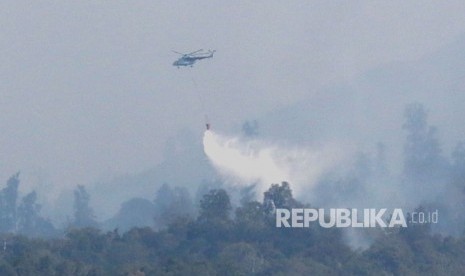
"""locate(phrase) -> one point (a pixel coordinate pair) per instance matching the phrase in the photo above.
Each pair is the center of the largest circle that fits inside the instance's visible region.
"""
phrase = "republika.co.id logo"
(343, 217)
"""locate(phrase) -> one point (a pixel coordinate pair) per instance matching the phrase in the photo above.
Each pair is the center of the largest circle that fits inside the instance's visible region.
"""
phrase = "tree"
(28, 215)
(251, 222)
(171, 203)
(83, 213)
(422, 152)
(8, 198)
(215, 204)
(458, 166)
(279, 196)
(213, 223)
(136, 212)
(240, 259)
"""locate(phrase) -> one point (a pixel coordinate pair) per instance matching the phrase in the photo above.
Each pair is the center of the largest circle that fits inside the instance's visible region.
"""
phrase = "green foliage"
(23, 218)
(30, 223)
(8, 198)
(136, 212)
(171, 203)
(83, 213)
(240, 259)
(422, 151)
(216, 204)
(216, 243)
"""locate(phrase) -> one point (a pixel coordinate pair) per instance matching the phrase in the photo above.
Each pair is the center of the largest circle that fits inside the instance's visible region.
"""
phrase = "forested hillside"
(224, 231)
(226, 241)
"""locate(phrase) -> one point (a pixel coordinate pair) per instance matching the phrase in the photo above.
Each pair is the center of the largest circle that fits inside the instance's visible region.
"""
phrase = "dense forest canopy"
(221, 240)
(213, 234)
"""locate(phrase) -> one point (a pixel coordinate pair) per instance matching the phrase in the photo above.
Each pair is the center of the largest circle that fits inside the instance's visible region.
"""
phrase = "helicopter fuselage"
(189, 60)
(184, 62)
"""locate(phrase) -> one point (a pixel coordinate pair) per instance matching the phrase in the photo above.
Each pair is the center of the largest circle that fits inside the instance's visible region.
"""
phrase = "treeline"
(22, 215)
(226, 241)
(176, 234)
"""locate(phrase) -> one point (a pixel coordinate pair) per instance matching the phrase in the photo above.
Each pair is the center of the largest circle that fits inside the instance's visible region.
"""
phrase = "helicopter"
(190, 58)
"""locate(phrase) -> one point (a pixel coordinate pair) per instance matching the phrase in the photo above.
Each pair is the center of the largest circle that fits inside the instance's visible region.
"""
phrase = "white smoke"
(245, 162)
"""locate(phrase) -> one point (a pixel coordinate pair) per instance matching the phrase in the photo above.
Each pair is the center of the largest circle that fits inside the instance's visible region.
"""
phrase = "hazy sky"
(88, 90)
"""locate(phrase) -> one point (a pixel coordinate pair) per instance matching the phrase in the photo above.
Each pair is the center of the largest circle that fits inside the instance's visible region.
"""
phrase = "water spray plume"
(246, 162)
